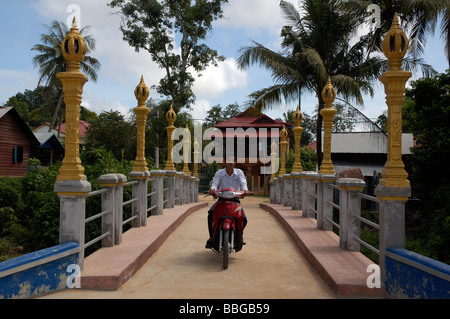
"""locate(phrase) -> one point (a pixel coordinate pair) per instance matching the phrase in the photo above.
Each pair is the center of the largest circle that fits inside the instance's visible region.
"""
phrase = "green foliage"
(154, 26)
(98, 162)
(315, 43)
(308, 159)
(29, 206)
(427, 114)
(217, 114)
(156, 134)
(112, 132)
(9, 192)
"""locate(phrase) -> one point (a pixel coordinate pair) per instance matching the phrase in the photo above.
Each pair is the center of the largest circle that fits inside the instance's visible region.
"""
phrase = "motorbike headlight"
(228, 194)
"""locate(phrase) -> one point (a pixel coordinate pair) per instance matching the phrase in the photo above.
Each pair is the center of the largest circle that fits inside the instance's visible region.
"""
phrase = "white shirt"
(237, 180)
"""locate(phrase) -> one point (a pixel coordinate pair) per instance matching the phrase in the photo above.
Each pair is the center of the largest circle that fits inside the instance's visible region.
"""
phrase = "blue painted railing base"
(39, 272)
(414, 276)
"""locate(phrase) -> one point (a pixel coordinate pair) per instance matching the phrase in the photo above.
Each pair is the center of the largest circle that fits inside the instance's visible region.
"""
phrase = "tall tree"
(153, 26)
(113, 133)
(50, 60)
(315, 46)
(419, 18)
(217, 114)
(427, 113)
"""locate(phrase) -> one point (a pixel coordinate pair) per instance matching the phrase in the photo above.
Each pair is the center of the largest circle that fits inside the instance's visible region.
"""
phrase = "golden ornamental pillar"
(186, 149)
(273, 159)
(327, 113)
(298, 117)
(283, 146)
(393, 190)
(171, 117)
(74, 50)
(196, 152)
(395, 45)
(142, 92)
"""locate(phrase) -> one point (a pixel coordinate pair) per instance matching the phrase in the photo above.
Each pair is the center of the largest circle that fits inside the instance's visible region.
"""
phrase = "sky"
(22, 22)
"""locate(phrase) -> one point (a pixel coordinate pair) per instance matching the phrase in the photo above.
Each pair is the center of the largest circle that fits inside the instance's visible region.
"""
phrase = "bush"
(9, 193)
(308, 159)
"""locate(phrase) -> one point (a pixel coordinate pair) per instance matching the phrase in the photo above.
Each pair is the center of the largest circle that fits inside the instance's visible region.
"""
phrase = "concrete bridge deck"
(270, 266)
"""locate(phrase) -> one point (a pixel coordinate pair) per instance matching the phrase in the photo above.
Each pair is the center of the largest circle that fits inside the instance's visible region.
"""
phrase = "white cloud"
(252, 14)
(199, 109)
(15, 81)
(120, 62)
(215, 81)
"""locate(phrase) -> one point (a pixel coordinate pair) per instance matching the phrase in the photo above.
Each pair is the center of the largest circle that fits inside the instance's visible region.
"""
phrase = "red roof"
(83, 127)
(313, 145)
(251, 118)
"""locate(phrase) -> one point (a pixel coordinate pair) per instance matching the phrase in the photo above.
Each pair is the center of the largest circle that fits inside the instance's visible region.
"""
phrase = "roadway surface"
(268, 267)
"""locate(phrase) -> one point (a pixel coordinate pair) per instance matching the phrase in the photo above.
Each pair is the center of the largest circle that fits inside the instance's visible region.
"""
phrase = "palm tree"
(315, 46)
(50, 61)
(419, 17)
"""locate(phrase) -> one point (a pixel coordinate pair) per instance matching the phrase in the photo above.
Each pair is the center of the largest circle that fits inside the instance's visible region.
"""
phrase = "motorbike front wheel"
(226, 247)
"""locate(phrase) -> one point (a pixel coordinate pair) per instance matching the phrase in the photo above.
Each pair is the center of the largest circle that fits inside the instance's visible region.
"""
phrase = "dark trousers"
(210, 216)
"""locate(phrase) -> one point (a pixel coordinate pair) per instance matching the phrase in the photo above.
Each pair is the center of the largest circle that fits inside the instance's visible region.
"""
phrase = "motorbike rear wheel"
(226, 247)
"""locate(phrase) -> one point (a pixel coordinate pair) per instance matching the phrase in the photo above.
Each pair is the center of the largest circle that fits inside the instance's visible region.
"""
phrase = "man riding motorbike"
(227, 177)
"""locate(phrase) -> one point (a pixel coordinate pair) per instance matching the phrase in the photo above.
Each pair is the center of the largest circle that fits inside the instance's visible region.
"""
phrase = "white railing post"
(282, 193)
(179, 188)
(324, 194)
(271, 191)
(109, 182)
(296, 191)
(392, 202)
(276, 190)
(139, 191)
(72, 196)
(191, 181)
(287, 181)
(350, 206)
(118, 208)
(158, 187)
(308, 183)
(197, 185)
(171, 185)
(185, 189)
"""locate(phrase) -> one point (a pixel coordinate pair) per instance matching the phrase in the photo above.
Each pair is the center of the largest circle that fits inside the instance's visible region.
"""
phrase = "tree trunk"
(55, 115)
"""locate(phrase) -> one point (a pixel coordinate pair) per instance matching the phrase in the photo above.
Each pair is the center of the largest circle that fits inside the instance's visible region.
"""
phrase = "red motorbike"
(227, 223)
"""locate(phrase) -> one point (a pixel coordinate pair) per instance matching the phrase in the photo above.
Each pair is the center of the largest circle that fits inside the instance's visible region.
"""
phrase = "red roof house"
(249, 125)
(83, 130)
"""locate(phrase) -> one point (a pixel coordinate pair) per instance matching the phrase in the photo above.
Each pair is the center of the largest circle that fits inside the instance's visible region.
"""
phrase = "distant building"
(62, 134)
(364, 150)
(51, 149)
(250, 163)
(18, 143)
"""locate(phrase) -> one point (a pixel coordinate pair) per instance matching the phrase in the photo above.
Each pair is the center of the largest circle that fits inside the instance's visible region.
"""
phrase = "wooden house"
(255, 131)
(62, 131)
(16, 143)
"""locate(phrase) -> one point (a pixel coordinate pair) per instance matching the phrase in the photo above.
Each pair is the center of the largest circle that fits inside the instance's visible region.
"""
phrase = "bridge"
(303, 242)
(269, 266)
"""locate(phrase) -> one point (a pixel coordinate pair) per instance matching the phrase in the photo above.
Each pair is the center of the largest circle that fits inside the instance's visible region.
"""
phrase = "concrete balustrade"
(73, 204)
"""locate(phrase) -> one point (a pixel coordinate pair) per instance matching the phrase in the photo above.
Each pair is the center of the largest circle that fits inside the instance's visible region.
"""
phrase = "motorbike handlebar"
(243, 195)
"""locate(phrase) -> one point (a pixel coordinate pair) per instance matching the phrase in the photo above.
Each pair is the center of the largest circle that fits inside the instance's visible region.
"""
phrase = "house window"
(18, 154)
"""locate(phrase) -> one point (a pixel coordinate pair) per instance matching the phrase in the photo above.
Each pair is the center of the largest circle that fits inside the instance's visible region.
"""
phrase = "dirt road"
(268, 267)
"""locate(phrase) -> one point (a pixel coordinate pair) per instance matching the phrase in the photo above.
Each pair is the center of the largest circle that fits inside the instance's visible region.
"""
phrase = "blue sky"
(22, 21)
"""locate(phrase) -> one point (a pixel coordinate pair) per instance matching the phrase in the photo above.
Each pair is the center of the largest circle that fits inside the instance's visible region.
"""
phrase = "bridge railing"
(337, 202)
(321, 197)
(151, 193)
